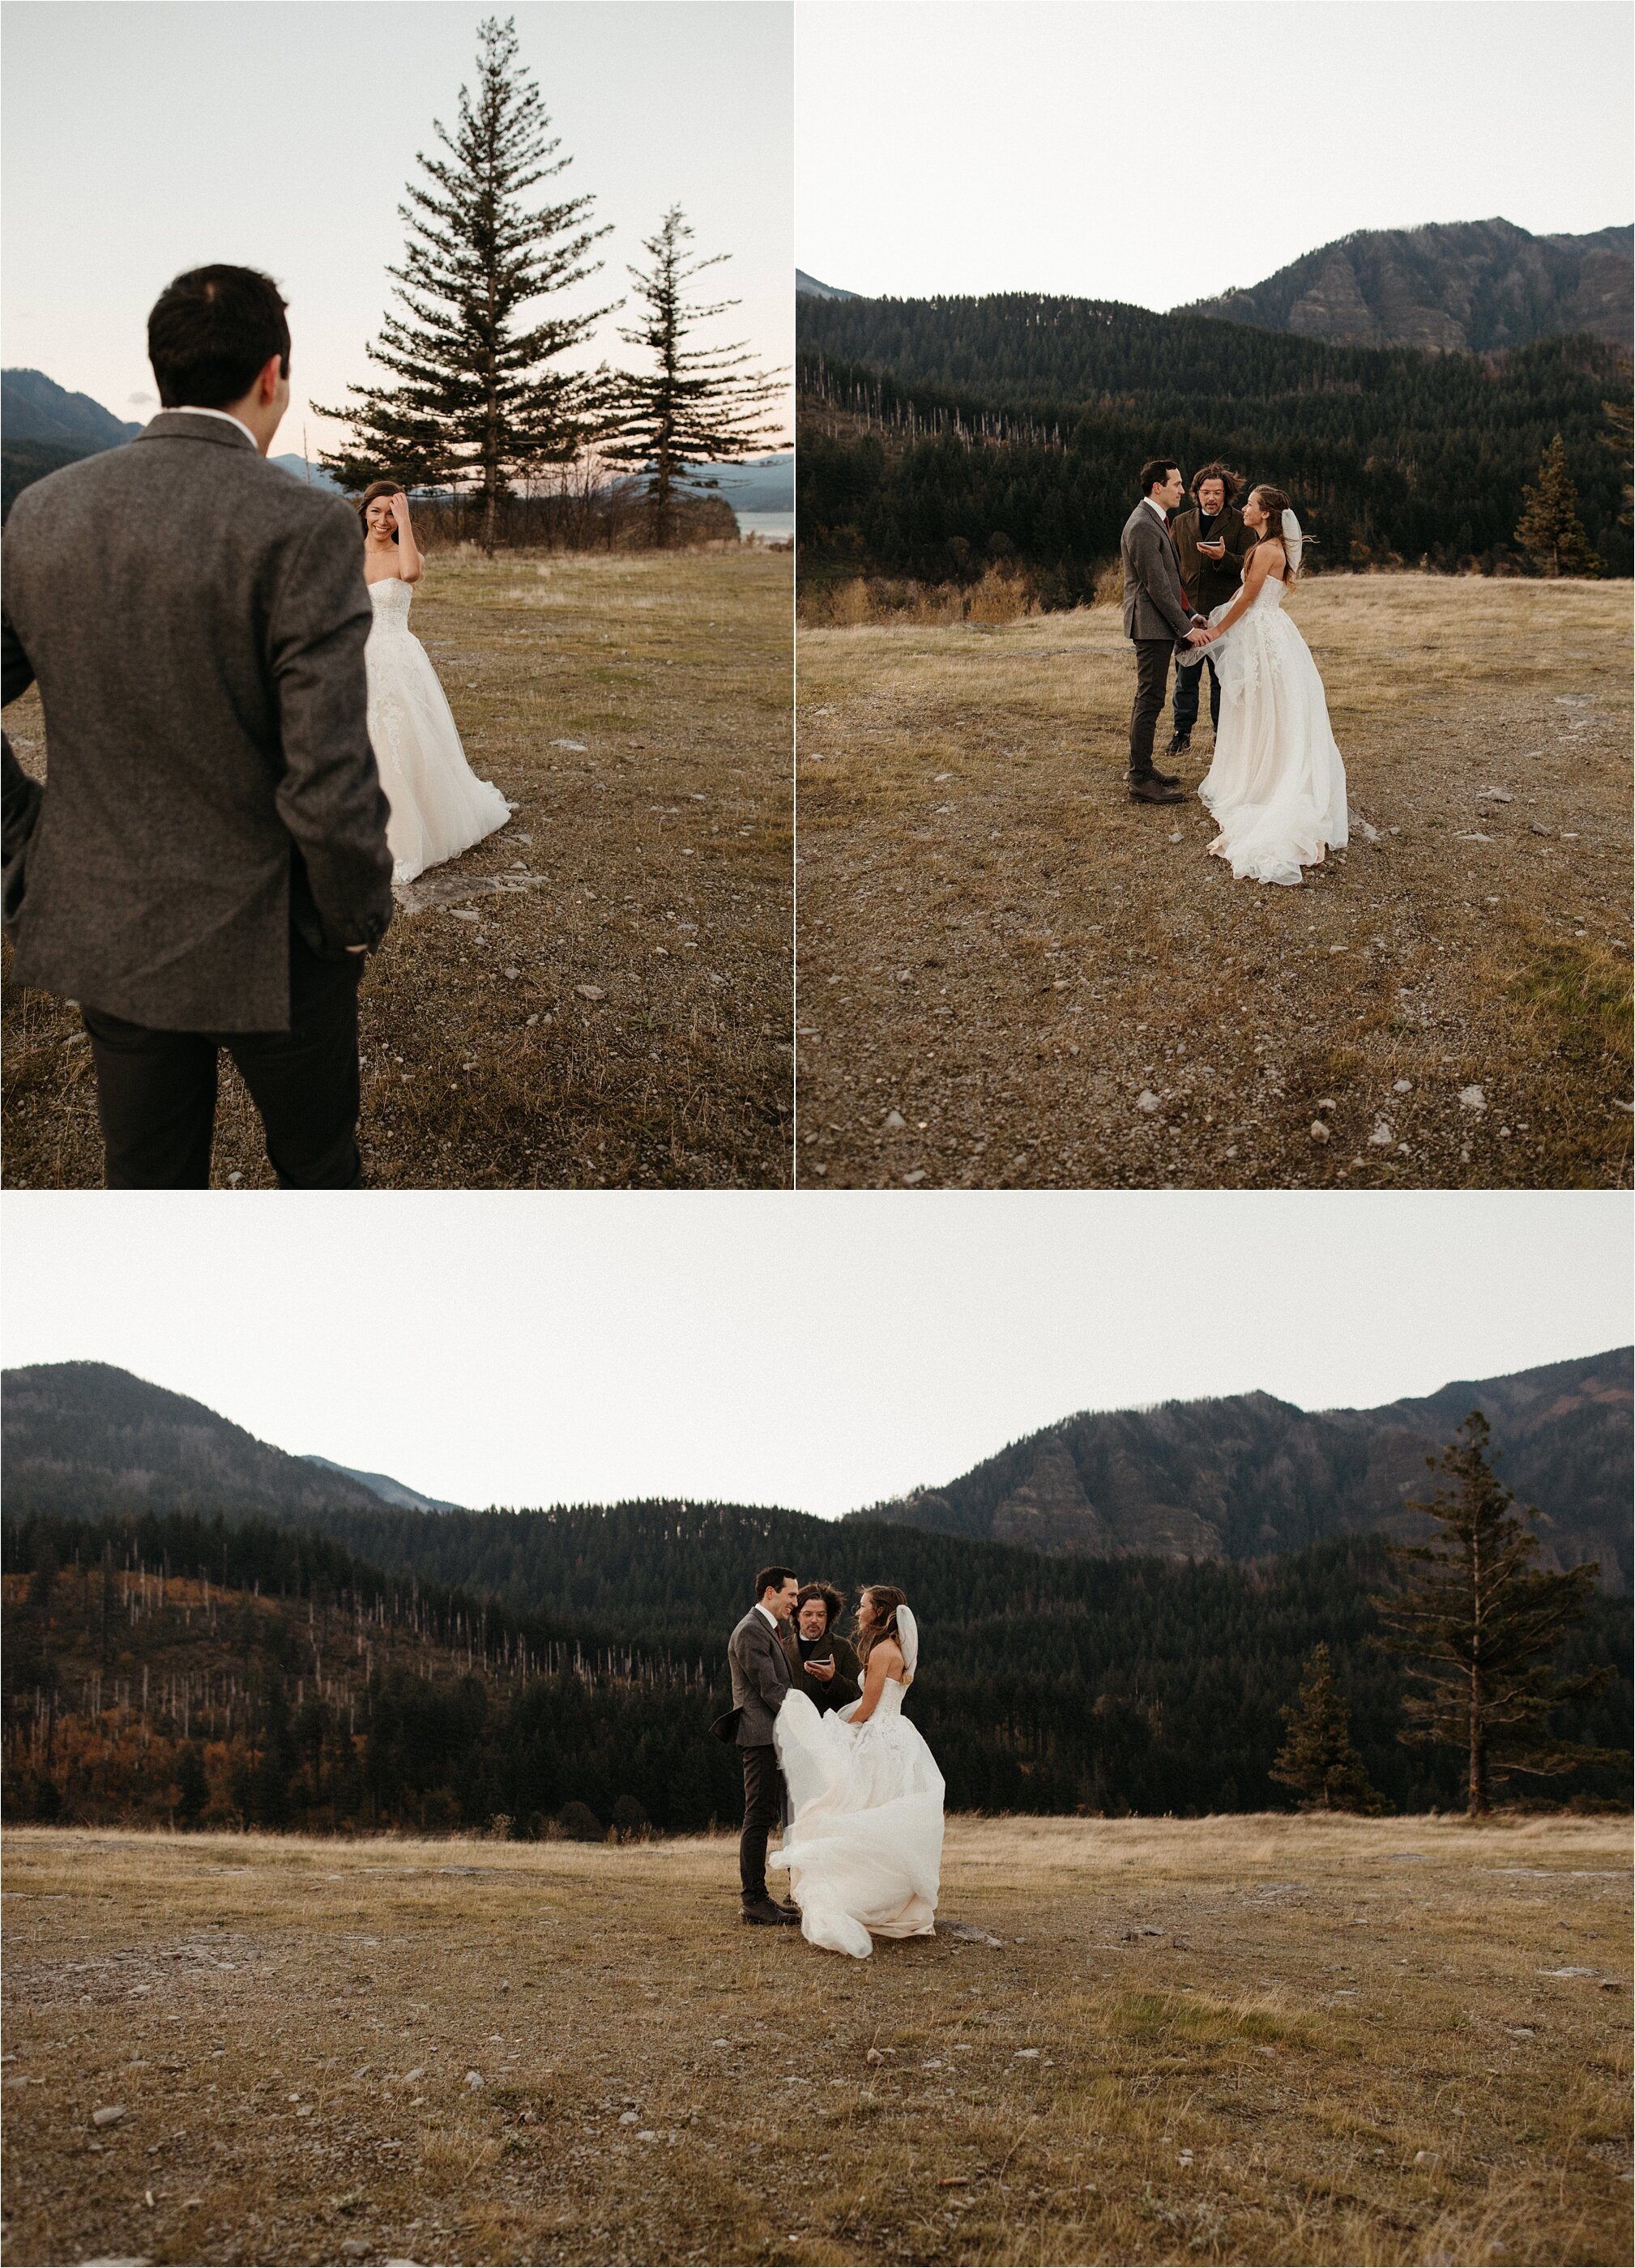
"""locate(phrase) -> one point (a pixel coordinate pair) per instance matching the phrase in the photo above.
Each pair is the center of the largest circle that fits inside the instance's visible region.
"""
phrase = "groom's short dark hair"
(773, 1578)
(210, 331)
(1155, 472)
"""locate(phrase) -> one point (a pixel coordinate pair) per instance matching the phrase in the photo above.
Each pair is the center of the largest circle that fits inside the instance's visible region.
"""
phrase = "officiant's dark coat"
(847, 1683)
(1213, 583)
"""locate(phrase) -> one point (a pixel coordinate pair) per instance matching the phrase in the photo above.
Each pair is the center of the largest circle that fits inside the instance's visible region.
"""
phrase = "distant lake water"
(771, 527)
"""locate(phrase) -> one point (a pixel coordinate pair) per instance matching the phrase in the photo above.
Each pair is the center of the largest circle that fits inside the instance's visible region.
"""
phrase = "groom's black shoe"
(1149, 788)
(1164, 780)
(762, 1913)
(788, 1910)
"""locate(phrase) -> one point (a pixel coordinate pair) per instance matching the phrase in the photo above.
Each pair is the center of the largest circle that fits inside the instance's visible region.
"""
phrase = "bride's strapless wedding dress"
(439, 806)
(1277, 786)
(864, 1848)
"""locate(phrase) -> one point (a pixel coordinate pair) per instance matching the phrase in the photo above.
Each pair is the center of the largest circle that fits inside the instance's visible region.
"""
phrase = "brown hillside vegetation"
(1257, 2040)
(1011, 978)
(598, 996)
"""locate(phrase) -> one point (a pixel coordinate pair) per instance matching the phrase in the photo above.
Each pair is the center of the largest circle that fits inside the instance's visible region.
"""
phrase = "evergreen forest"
(943, 438)
(559, 1672)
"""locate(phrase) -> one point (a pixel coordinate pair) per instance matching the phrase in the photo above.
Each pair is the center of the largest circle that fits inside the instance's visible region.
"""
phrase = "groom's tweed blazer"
(196, 621)
(1155, 604)
(760, 1679)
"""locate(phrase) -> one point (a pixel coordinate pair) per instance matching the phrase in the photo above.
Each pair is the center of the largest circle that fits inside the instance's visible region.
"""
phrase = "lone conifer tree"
(1549, 528)
(697, 405)
(476, 398)
(1319, 1757)
(1478, 1623)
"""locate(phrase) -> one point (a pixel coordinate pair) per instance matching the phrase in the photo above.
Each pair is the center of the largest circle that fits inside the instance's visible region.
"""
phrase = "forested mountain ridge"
(384, 1487)
(317, 1691)
(1239, 1478)
(1448, 287)
(355, 1663)
(85, 1437)
(34, 407)
(940, 435)
(1248, 1475)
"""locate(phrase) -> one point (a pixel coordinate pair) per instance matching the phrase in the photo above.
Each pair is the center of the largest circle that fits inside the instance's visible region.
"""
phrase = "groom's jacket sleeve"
(22, 794)
(329, 796)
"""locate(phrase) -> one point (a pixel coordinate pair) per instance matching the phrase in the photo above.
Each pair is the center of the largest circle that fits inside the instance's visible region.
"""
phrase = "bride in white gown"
(439, 805)
(1275, 787)
(863, 1849)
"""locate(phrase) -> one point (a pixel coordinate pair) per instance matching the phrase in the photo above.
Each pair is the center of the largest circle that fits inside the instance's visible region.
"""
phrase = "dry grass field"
(1263, 2040)
(1009, 977)
(599, 996)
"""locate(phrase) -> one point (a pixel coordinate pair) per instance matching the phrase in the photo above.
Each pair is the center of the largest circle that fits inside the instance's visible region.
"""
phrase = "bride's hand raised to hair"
(399, 502)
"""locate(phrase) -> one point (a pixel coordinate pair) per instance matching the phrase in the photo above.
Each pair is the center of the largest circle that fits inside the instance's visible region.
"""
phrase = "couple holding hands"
(1208, 591)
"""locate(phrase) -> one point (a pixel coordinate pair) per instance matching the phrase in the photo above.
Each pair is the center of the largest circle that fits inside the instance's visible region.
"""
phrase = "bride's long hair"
(1274, 504)
(371, 495)
(888, 1598)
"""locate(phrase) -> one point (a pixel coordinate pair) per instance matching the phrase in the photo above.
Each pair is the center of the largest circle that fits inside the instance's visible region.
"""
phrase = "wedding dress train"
(864, 1848)
(1275, 787)
(439, 805)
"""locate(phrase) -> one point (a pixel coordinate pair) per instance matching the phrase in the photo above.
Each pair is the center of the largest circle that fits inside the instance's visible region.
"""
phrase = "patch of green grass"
(1188, 2017)
(1582, 998)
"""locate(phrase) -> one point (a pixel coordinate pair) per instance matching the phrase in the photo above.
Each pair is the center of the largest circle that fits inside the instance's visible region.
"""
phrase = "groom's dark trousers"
(763, 1808)
(762, 1682)
(1153, 660)
(156, 1091)
(210, 838)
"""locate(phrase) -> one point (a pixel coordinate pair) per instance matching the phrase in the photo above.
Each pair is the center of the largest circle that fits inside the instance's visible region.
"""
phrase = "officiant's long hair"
(888, 1598)
(1274, 504)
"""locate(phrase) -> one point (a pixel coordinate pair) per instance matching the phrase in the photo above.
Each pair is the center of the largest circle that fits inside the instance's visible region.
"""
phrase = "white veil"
(1294, 540)
(909, 1639)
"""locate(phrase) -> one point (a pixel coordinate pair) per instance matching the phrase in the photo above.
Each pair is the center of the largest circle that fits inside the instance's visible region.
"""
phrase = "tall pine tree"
(1477, 1623)
(697, 406)
(479, 400)
(1319, 1757)
(1550, 529)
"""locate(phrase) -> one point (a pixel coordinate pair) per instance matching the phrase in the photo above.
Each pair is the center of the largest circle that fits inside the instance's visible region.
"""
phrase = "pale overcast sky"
(1104, 148)
(817, 1351)
(144, 137)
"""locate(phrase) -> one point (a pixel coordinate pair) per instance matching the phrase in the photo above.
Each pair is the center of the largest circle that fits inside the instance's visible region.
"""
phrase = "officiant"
(1213, 543)
(818, 1607)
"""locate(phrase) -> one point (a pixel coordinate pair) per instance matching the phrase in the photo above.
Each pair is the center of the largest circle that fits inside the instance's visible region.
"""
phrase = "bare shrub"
(1004, 595)
(1109, 584)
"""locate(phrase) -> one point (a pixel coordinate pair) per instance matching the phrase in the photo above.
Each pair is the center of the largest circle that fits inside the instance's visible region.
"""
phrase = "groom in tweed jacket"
(761, 1681)
(206, 863)
(1157, 619)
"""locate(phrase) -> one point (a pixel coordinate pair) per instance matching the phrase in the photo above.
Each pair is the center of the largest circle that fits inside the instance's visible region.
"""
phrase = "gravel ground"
(1011, 978)
(599, 995)
(1250, 2039)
